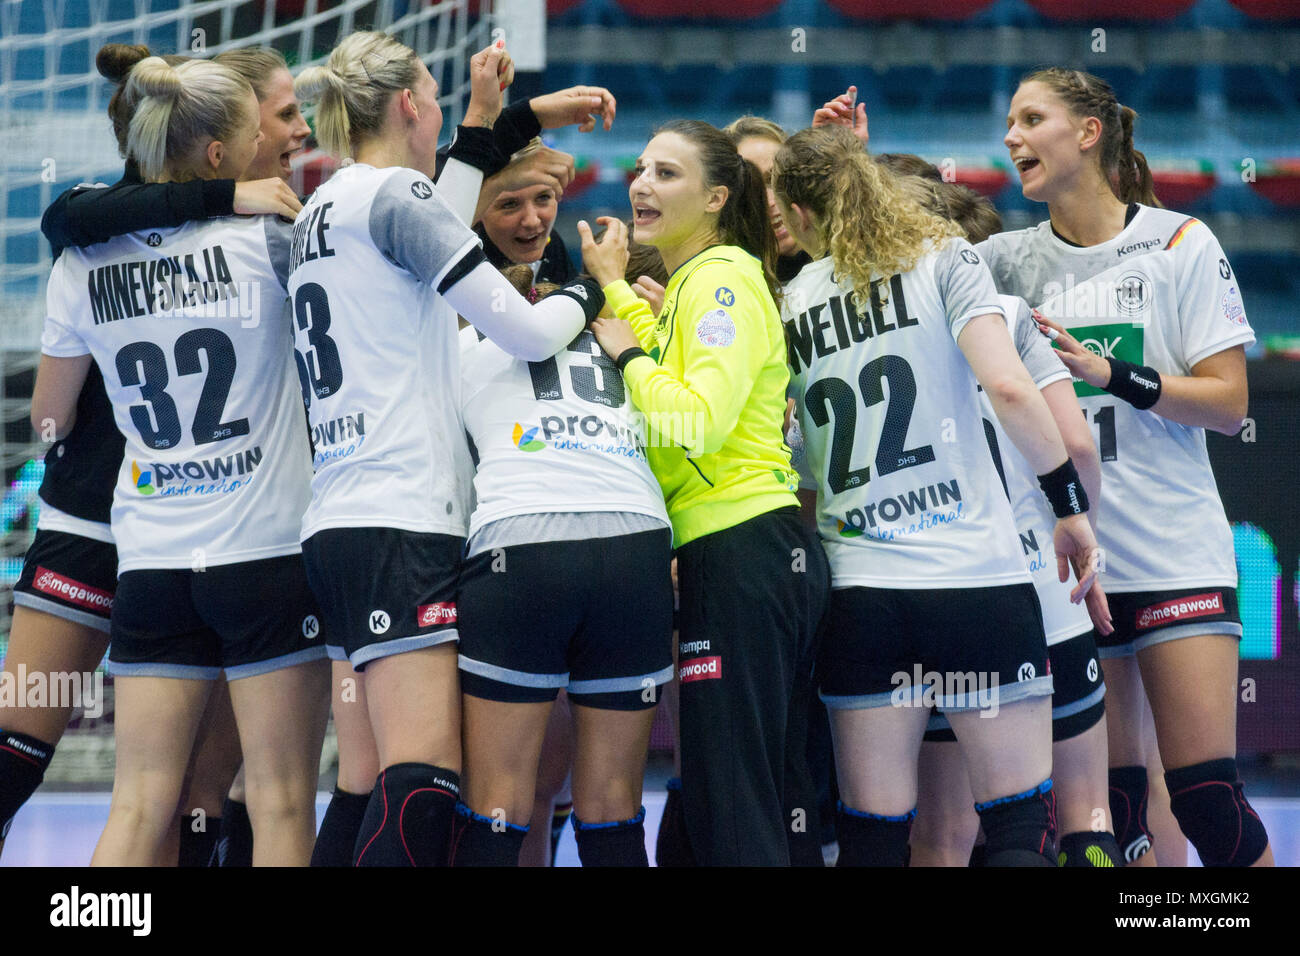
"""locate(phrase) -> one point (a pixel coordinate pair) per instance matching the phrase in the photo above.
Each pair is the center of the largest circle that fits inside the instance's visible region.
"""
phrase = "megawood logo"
(202, 476)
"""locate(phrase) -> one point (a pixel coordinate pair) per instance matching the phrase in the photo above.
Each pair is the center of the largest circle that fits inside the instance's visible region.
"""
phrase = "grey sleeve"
(1035, 349)
(279, 235)
(414, 227)
(965, 285)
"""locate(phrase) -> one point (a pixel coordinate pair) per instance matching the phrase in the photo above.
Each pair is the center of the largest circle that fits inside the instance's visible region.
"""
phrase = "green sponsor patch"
(1118, 340)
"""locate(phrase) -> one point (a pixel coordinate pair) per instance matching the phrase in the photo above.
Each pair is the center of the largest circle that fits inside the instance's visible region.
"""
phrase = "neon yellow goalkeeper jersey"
(712, 391)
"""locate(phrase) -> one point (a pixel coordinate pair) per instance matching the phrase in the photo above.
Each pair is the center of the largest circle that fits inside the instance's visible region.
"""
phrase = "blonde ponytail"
(353, 88)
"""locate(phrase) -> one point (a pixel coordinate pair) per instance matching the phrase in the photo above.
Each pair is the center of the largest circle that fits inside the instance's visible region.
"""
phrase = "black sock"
(23, 760)
(408, 819)
(1090, 849)
(672, 845)
(621, 843)
(197, 847)
(235, 842)
(559, 817)
(869, 839)
(481, 841)
(337, 840)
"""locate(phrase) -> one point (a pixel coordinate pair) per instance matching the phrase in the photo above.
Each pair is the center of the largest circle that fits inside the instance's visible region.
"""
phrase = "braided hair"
(1086, 95)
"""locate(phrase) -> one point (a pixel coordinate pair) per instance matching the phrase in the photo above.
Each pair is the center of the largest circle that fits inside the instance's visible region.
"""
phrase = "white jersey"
(1035, 523)
(188, 326)
(1161, 294)
(908, 496)
(377, 352)
(560, 435)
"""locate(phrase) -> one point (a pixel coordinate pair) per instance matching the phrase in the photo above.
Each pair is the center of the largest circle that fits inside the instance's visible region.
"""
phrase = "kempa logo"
(310, 627)
(1140, 246)
(957, 690)
(131, 910)
(74, 689)
(379, 622)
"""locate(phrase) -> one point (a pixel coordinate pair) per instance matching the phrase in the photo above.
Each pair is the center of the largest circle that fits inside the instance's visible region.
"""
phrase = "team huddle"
(386, 454)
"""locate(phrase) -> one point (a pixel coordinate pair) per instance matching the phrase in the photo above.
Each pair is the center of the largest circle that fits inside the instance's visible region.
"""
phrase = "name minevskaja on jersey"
(377, 352)
(1035, 523)
(1160, 294)
(187, 326)
(908, 495)
(560, 435)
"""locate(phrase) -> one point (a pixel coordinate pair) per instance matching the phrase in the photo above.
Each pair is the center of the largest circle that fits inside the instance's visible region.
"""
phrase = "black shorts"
(1077, 695)
(1143, 618)
(593, 617)
(239, 619)
(951, 648)
(384, 591)
(69, 576)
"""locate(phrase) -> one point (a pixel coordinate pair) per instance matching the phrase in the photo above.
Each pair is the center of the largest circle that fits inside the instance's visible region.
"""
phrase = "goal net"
(54, 133)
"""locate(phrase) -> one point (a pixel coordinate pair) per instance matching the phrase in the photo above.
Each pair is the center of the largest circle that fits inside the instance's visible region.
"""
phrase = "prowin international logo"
(525, 439)
(202, 476)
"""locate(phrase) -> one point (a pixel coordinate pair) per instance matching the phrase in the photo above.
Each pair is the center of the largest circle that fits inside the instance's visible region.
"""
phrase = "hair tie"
(532, 294)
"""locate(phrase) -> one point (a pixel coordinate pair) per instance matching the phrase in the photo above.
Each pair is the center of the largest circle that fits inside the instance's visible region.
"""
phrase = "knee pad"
(23, 760)
(1128, 808)
(483, 841)
(1090, 849)
(1211, 809)
(620, 843)
(870, 839)
(1020, 830)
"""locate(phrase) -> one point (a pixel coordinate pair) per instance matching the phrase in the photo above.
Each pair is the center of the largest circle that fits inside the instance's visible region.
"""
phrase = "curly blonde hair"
(865, 219)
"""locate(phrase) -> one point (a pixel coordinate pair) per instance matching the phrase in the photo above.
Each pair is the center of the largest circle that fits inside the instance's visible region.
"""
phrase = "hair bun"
(115, 60)
(154, 76)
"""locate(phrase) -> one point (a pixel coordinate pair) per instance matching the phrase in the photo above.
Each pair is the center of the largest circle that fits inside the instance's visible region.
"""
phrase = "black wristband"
(1064, 490)
(628, 355)
(515, 127)
(1139, 385)
(473, 146)
(587, 293)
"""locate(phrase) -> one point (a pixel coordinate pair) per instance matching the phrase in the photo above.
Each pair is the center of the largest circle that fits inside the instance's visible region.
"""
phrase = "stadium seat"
(908, 9)
(698, 9)
(555, 8)
(1268, 9)
(1279, 182)
(1179, 184)
(1071, 10)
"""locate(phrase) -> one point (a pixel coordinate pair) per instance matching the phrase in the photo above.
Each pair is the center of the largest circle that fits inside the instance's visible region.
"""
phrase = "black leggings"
(752, 599)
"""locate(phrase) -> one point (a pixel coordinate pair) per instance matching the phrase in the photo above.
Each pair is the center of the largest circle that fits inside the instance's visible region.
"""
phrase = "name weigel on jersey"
(806, 333)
